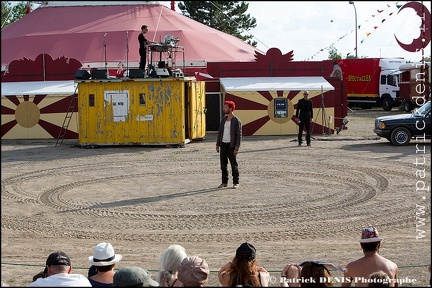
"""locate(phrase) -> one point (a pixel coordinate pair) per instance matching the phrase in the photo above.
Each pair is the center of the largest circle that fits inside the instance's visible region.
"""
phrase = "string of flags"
(369, 26)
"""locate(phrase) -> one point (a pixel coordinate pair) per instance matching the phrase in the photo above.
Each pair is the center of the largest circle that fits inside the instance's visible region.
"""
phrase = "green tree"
(333, 54)
(427, 58)
(227, 16)
(11, 13)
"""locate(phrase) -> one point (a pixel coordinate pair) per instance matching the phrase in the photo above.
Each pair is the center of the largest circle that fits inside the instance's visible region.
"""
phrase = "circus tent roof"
(98, 34)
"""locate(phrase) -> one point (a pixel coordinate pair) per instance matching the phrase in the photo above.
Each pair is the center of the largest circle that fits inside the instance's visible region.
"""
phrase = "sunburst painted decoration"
(37, 95)
(37, 116)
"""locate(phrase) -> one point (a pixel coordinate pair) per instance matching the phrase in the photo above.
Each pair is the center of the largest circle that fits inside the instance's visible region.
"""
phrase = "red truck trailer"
(372, 82)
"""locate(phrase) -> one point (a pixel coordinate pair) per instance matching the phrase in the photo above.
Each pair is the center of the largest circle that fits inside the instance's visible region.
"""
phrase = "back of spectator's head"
(370, 240)
(169, 260)
(318, 272)
(58, 258)
(133, 277)
(104, 255)
(370, 235)
(41, 274)
(379, 279)
(246, 251)
(193, 271)
(172, 256)
(92, 271)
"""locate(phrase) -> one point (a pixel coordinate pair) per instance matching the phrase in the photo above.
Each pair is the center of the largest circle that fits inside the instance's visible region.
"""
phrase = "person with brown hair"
(379, 279)
(317, 273)
(308, 274)
(228, 144)
(41, 274)
(243, 270)
(360, 269)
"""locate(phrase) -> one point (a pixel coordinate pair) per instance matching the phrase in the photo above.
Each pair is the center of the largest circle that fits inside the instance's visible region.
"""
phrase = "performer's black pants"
(304, 123)
(227, 153)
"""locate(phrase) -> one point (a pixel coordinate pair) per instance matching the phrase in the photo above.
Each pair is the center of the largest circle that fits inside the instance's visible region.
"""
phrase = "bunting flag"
(363, 26)
(368, 29)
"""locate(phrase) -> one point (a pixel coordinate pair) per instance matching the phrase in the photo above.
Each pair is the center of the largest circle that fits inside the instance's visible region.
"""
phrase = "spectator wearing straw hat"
(358, 271)
(104, 259)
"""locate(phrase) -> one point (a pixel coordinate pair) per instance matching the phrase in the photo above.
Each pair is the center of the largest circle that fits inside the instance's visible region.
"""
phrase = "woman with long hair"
(169, 261)
(243, 269)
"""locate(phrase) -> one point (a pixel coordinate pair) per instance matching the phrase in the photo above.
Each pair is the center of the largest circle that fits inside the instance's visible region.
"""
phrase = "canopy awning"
(38, 88)
(275, 84)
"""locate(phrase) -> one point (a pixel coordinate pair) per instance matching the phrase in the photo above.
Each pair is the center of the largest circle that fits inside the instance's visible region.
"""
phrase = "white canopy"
(275, 84)
(38, 88)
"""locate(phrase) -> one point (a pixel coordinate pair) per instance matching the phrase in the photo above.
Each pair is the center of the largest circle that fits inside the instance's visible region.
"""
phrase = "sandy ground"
(293, 204)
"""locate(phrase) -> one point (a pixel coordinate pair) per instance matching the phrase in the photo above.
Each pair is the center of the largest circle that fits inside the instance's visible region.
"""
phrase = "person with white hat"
(104, 259)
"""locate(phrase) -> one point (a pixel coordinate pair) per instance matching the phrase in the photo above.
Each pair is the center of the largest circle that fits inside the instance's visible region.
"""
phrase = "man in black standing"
(143, 42)
(228, 143)
(304, 115)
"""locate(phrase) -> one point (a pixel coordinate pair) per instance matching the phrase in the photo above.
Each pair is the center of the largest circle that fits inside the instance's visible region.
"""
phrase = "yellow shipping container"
(164, 111)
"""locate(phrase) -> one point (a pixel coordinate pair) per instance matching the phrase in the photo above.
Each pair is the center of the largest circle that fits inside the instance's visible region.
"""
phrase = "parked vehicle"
(400, 129)
(414, 86)
(372, 82)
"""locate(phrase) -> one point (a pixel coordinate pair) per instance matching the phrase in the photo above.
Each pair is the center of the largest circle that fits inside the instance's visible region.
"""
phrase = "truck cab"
(389, 83)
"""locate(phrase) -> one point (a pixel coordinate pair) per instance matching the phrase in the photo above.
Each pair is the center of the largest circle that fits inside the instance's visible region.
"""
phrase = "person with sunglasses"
(304, 115)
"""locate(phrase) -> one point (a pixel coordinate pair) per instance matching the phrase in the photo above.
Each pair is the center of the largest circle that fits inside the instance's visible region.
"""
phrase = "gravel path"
(294, 203)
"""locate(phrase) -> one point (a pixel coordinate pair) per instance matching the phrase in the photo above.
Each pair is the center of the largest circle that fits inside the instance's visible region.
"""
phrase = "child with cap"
(59, 269)
(193, 272)
(243, 269)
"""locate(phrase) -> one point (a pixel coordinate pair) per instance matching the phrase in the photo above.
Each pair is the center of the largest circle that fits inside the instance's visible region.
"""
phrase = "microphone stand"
(127, 52)
(105, 51)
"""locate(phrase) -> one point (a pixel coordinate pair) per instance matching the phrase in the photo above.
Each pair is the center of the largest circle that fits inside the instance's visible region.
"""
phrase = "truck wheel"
(400, 136)
(387, 104)
(407, 106)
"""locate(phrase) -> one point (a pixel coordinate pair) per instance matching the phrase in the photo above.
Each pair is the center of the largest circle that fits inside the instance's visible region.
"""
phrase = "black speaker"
(136, 73)
(82, 75)
(99, 74)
